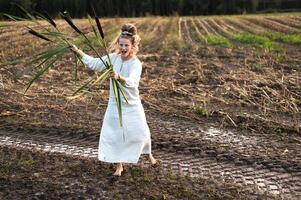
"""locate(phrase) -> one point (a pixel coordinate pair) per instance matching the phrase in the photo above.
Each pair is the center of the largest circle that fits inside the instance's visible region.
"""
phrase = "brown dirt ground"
(36, 175)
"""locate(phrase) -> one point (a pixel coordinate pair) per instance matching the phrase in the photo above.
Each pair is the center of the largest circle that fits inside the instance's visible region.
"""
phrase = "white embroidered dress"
(123, 144)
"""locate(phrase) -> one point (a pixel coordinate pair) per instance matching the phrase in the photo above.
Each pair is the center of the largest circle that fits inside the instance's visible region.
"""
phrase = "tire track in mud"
(264, 180)
(74, 142)
(240, 147)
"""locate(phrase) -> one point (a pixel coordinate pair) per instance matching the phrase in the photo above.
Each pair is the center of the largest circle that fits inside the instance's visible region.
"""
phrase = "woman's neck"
(127, 58)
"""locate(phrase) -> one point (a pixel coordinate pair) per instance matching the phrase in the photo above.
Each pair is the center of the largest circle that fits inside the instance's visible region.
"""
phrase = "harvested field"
(222, 97)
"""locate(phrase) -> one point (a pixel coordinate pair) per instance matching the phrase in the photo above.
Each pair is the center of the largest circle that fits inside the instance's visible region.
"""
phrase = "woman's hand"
(76, 50)
(115, 76)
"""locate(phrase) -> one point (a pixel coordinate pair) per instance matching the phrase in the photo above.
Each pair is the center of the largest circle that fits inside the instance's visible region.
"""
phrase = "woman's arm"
(93, 63)
(79, 52)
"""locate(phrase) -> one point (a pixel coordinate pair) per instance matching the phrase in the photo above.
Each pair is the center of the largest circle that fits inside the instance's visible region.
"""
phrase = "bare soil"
(36, 175)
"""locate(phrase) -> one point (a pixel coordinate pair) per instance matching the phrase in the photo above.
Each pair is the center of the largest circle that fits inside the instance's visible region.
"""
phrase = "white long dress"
(123, 144)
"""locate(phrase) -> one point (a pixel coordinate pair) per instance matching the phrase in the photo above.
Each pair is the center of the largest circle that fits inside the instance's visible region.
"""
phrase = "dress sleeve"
(134, 76)
(95, 63)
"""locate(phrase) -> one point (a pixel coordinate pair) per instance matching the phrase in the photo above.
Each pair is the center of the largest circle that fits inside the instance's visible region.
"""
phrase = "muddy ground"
(36, 175)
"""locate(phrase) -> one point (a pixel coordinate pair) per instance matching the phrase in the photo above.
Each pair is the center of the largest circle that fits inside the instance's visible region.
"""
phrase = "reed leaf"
(91, 46)
(49, 19)
(69, 21)
(23, 10)
(57, 35)
(42, 71)
(100, 41)
(88, 42)
(119, 107)
(108, 65)
(103, 76)
(92, 26)
(15, 18)
(51, 53)
(12, 17)
(99, 80)
(120, 88)
(33, 32)
(118, 101)
(74, 95)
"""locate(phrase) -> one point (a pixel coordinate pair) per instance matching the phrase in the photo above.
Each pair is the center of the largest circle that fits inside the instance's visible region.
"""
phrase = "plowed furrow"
(285, 21)
(297, 18)
(185, 33)
(269, 25)
(199, 34)
(158, 34)
(208, 27)
(219, 29)
(202, 27)
(245, 26)
(227, 27)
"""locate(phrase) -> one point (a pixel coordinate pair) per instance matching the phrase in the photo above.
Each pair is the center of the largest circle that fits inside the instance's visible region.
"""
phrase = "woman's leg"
(119, 169)
(152, 160)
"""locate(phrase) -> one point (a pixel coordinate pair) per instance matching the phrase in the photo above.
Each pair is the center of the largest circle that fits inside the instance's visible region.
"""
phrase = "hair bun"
(129, 29)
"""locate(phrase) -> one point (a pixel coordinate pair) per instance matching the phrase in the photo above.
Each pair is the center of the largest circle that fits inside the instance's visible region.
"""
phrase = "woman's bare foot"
(119, 170)
(151, 159)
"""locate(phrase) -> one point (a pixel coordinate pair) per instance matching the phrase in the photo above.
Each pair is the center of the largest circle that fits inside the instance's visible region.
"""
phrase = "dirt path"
(184, 157)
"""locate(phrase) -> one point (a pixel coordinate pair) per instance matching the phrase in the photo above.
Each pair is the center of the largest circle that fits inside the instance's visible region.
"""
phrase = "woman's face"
(125, 46)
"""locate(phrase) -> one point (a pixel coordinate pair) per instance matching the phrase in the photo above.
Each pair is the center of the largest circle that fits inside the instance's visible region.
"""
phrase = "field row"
(161, 33)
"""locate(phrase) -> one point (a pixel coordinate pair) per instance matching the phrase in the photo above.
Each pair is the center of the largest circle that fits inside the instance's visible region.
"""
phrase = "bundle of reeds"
(64, 42)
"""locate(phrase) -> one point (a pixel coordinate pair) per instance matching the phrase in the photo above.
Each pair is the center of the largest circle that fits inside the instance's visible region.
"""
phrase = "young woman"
(123, 144)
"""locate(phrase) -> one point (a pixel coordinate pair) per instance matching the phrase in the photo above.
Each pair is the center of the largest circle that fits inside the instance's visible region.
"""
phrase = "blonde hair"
(128, 31)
